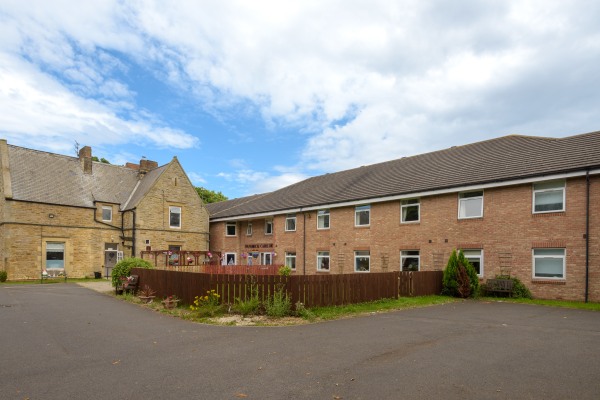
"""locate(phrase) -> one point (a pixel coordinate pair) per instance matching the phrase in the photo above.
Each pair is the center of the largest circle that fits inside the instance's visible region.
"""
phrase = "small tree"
(460, 278)
(123, 268)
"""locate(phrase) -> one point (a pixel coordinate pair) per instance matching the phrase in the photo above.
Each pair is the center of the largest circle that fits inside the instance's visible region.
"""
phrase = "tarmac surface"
(65, 341)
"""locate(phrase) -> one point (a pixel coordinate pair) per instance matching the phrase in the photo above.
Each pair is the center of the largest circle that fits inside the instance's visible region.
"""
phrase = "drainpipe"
(133, 235)
(587, 236)
(304, 245)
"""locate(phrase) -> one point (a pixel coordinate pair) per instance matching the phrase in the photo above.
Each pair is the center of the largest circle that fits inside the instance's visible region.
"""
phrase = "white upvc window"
(362, 261)
(249, 229)
(290, 223)
(323, 261)
(549, 263)
(290, 260)
(107, 213)
(410, 260)
(470, 204)
(323, 219)
(362, 215)
(55, 257)
(174, 217)
(268, 227)
(266, 258)
(410, 211)
(475, 257)
(229, 259)
(230, 229)
(549, 196)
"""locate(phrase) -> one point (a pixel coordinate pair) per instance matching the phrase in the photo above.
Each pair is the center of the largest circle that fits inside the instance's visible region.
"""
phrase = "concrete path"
(64, 341)
(99, 285)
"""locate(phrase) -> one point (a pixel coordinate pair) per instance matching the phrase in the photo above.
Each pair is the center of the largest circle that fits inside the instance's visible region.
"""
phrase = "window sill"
(549, 281)
(410, 223)
(470, 219)
(548, 214)
(362, 226)
(322, 272)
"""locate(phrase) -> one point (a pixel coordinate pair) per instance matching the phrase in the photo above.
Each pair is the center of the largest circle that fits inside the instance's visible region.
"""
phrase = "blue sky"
(254, 96)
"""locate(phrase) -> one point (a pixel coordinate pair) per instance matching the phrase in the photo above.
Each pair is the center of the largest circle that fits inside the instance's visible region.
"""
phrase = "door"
(110, 257)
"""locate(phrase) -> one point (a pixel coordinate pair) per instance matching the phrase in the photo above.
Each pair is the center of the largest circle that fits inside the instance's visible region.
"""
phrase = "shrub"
(284, 270)
(251, 303)
(3, 276)
(520, 291)
(304, 312)
(123, 268)
(279, 305)
(460, 278)
(207, 306)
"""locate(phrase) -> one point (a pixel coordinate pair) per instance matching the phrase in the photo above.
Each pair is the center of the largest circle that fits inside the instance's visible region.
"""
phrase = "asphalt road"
(63, 341)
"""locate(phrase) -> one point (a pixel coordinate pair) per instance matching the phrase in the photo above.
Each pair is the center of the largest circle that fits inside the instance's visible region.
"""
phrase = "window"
(230, 228)
(410, 210)
(229, 259)
(249, 229)
(362, 215)
(175, 217)
(266, 258)
(269, 227)
(549, 196)
(323, 219)
(475, 257)
(174, 254)
(290, 223)
(55, 257)
(290, 260)
(410, 260)
(362, 261)
(107, 213)
(549, 263)
(470, 204)
(322, 261)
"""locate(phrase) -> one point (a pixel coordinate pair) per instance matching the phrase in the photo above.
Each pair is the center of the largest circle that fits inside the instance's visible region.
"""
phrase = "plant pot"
(146, 299)
(170, 304)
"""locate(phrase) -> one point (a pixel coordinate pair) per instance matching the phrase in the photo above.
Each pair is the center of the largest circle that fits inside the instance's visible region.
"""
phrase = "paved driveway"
(63, 341)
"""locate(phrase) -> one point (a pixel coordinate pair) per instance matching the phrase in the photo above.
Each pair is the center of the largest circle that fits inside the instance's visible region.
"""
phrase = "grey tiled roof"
(496, 160)
(57, 179)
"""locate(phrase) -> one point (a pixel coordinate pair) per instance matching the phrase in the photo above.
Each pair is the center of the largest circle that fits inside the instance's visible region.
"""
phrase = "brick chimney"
(85, 158)
(146, 166)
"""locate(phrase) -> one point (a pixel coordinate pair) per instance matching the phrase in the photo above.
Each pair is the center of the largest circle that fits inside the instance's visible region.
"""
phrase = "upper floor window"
(268, 227)
(106, 213)
(362, 215)
(549, 263)
(362, 261)
(470, 204)
(175, 217)
(323, 219)
(249, 229)
(290, 222)
(475, 258)
(409, 260)
(410, 210)
(230, 228)
(549, 196)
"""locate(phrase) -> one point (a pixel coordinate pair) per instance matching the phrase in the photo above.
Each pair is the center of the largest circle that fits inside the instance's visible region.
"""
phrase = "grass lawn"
(552, 303)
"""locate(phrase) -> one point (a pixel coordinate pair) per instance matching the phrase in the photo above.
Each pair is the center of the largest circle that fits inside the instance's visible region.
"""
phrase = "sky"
(252, 96)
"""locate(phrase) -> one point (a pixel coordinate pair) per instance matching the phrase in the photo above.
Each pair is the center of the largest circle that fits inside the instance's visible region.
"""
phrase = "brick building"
(72, 215)
(524, 206)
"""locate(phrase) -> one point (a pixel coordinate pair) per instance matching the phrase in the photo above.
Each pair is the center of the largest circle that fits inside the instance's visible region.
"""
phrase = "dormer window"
(106, 213)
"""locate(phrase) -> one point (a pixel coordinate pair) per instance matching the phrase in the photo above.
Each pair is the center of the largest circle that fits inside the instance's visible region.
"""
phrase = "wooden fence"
(224, 269)
(312, 290)
(420, 283)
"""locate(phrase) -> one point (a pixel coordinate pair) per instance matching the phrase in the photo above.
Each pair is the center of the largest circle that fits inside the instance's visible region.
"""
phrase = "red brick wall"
(508, 227)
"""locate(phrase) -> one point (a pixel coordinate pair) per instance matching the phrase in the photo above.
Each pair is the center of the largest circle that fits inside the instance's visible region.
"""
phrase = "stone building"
(522, 206)
(74, 216)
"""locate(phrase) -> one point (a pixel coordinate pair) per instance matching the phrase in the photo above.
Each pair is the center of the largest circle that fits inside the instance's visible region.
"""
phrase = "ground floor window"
(55, 256)
(322, 261)
(362, 261)
(549, 263)
(290, 260)
(266, 258)
(475, 257)
(229, 259)
(410, 260)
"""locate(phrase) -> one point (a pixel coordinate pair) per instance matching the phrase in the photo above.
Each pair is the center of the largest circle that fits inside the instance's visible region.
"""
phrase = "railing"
(180, 258)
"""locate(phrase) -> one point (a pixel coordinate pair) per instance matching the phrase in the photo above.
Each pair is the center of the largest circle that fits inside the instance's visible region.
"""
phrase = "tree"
(102, 160)
(210, 196)
(460, 278)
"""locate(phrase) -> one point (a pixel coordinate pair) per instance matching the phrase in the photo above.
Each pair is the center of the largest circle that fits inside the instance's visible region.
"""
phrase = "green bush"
(284, 270)
(520, 291)
(246, 307)
(279, 305)
(3, 276)
(460, 278)
(123, 268)
(303, 312)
